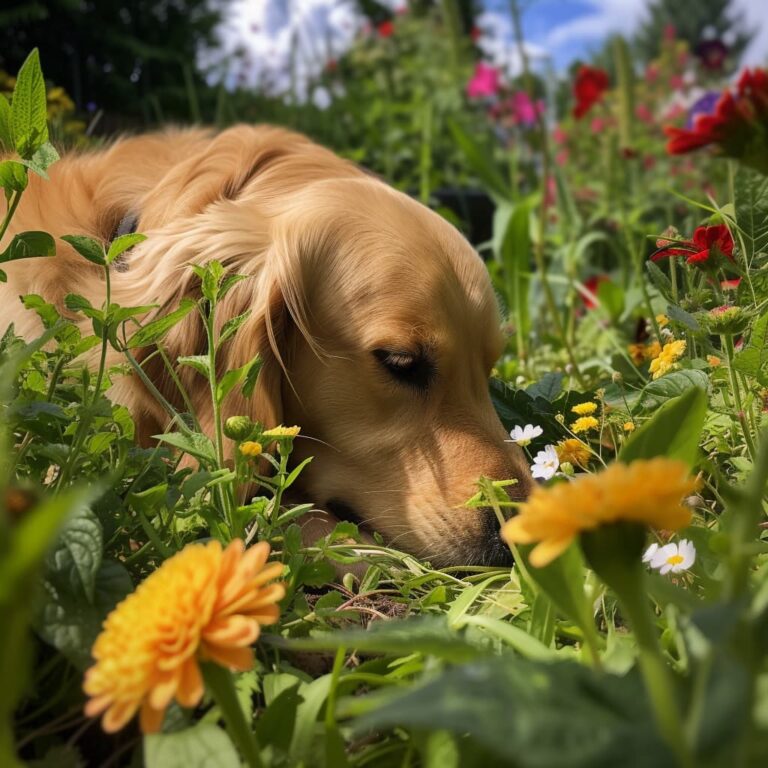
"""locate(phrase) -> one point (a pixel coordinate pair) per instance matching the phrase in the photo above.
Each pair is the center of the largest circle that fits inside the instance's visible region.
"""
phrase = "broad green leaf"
(751, 199)
(76, 554)
(6, 124)
(673, 431)
(122, 244)
(194, 443)
(674, 384)
(203, 745)
(155, 330)
(28, 245)
(231, 326)
(532, 714)
(659, 279)
(611, 298)
(227, 382)
(198, 362)
(549, 386)
(684, 318)
(87, 247)
(314, 695)
(275, 725)
(29, 112)
(752, 360)
(68, 621)
(424, 634)
(515, 257)
(42, 159)
(13, 176)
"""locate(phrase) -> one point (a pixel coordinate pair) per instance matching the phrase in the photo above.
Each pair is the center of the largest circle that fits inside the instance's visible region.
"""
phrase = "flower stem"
(219, 683)
(727, 341)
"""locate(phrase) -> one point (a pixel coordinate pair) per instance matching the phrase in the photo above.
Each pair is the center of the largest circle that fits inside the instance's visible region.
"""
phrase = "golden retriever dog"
(374, 317)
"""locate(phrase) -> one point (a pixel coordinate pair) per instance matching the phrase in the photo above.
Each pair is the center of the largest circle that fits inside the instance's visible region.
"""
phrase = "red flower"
(737, 125)
(588, 89)
(386, 29)
(699, 250)
(593, 286)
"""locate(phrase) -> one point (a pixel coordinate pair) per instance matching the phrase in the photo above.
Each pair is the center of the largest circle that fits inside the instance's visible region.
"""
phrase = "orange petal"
(150, 719)
(240, 659)
(118, 715)
(190, 689)
(545, 552)
(97, 705)
(164, 689)
(231, 630)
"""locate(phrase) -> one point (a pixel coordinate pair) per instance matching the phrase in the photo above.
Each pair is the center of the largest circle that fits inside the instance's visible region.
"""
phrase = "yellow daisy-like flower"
(646, 491)
(629, 426)
(584, 409)
(714, 361)
(584, 424)
(573, 451)
(668, 356)
(204, 603)
(281, 431)
(662, 320)
(250, 448)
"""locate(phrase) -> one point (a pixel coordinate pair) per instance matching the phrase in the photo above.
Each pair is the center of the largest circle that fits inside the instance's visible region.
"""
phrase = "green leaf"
(515, 256)
(194, 443)
(198, 362)
(684, 318)
(76, 554)
(203, 746)
(42, 159)
(659, 279)
(29, 113)
(87, 247)
(29, 245)
(13, 177)
(611, 298)
(479, 160)
(673, 431)
(68, 621)
(752, 360)
(674, 384)
(6, 124)
(122, 244)
(231, 326)
(155, 330)
(423, 634)
(532, 714)
(276, 724)
(751, 200)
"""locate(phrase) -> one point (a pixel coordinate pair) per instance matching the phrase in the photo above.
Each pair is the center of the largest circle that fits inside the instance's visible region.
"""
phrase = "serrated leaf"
(659, 279)
(122, 244)
(155, 330)
(751, 200)
(29, 245)
(549, 386)
(87, 247)
(231, 326)
(203, 746)
(674, 430)
(29, 113)
(674, 384)
(194, 443)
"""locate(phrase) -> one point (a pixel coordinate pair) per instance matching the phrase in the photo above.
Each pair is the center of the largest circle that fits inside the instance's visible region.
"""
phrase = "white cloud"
(605, 18)
(756, 21)
(497, 43)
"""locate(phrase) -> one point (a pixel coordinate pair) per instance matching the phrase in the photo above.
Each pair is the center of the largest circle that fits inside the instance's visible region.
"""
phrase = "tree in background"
(713, 29)
(125, 55)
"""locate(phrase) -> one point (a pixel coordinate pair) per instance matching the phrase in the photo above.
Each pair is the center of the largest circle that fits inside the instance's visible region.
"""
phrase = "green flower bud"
(238, 427)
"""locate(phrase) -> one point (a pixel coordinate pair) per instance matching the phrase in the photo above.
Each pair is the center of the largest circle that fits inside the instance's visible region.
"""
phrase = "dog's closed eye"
(414, 369)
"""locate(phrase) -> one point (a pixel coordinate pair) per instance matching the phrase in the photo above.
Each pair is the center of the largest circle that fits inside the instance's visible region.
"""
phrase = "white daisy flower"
(545, 463)
(523, 435)
(650, 552)
(673, 557)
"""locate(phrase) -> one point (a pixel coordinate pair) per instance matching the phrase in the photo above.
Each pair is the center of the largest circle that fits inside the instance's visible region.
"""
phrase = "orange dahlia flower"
(202, 604)
(649, 492)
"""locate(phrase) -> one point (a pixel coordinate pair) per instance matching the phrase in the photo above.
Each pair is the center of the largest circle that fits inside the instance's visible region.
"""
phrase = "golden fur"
(339, 266)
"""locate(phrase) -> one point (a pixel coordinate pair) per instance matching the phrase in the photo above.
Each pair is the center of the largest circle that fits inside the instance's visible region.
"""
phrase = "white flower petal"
(650, 552)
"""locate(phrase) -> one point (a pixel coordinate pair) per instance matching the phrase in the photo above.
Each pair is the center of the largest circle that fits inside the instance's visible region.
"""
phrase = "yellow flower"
(250, 448)
(662, 320)
(629, 426)
(281, 431)
(584, 424)
(584, 409)
(668, 356)
(713, 360)
(652, 350)
(573, 451)
(646, 491)
(204, 603)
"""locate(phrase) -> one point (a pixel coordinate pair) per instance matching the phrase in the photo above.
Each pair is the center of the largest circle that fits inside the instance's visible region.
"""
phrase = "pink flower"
(597, 125)
(643, 112)
(651, 73)
(485, 81)
(559, 136)
(523, 110)
(561, 158)
(676, 82)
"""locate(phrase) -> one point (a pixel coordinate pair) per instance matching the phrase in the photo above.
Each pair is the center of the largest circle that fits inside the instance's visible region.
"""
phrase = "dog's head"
(378, 327)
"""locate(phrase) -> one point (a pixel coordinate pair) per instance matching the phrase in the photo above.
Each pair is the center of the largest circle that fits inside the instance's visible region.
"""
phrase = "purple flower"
(702, 106)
